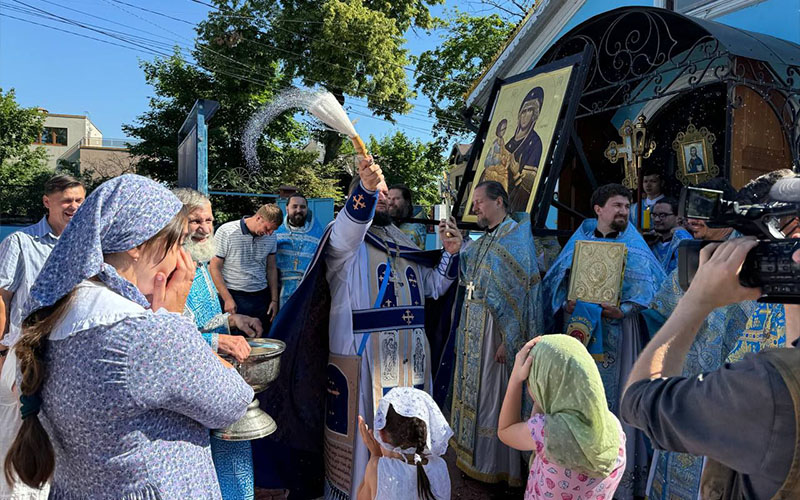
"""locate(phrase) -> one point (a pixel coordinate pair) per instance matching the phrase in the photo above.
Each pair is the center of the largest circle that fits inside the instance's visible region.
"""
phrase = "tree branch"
(501, 6)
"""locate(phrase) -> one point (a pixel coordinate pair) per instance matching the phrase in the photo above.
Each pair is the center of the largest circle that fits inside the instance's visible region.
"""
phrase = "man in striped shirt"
(244, 269)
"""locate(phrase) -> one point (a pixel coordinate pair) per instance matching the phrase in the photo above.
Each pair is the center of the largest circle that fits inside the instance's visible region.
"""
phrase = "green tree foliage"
(251, 50)
(416, 164)
(445, 73)
(352, 47)
(22, 168)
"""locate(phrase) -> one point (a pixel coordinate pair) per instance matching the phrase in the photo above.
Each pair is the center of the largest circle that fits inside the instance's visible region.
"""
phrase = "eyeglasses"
(655, 215)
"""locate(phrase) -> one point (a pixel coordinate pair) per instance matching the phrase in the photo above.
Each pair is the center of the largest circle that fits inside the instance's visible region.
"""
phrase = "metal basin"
(255, 424)
(258, 370)
(263, 364)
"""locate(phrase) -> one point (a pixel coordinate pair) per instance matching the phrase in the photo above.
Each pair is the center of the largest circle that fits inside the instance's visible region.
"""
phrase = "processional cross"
(633, 150)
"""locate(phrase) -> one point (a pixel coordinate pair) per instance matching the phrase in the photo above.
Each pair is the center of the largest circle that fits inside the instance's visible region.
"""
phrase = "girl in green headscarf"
(578, 444)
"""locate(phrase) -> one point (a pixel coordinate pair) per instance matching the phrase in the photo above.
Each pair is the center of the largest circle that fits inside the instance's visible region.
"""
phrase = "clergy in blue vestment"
(667, 234)
(232, 459)
(501, 311)
(615, 336)
(298, 238)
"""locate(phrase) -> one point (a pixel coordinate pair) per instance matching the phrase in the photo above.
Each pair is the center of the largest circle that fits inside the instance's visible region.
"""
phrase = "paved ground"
(462, 487)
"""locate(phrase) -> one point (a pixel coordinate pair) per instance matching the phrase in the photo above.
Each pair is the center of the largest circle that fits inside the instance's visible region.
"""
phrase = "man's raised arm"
(354, 219)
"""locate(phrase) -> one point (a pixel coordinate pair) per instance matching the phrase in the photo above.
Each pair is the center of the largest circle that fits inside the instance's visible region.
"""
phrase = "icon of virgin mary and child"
(514, 163)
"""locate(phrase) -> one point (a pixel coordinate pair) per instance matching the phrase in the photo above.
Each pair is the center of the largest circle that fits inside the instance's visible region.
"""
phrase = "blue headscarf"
(121, 214)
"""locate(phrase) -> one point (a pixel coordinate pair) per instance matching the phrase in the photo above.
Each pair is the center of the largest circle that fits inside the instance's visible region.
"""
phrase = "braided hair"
(410, 432)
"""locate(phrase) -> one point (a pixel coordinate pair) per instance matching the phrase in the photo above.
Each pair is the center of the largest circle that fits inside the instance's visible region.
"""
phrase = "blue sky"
(67, 74)
(64, 73)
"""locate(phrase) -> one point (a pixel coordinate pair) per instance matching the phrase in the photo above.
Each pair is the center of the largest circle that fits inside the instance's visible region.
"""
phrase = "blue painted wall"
(779, 18)
(321, 207)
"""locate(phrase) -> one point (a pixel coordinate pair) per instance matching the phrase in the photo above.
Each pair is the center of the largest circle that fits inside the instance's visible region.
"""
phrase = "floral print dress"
(548, 480)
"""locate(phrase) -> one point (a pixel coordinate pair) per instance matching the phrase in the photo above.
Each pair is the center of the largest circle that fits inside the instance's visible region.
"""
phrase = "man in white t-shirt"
(244, 268)
(652, 193)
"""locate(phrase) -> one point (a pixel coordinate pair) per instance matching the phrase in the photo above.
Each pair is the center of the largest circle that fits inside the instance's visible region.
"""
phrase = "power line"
(50, 16)
(76, 23)
(197, 45)
(301, 56)
(156, 13)
(208, 49)
(140, 47)
(3, 14)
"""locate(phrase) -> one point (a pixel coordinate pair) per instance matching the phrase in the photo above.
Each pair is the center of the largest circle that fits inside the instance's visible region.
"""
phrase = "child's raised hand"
(369, 440)
(523, 362)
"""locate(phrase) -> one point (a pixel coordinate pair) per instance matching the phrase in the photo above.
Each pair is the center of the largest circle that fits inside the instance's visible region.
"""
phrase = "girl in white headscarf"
(406, 449)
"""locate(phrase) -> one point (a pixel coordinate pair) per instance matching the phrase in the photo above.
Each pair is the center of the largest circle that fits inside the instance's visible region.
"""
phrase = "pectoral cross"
(470, 289)
(296, 263)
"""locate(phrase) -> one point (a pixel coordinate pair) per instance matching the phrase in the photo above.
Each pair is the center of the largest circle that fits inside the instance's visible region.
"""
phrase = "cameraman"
(741, 415)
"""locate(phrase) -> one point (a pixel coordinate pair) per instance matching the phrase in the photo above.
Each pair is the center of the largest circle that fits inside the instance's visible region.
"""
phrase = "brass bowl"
(263, 364)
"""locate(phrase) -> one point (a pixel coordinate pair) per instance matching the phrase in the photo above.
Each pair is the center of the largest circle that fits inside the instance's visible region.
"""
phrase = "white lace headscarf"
(410, 402)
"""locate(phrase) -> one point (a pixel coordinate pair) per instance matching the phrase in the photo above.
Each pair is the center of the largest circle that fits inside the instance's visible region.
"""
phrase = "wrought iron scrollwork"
(638, 58)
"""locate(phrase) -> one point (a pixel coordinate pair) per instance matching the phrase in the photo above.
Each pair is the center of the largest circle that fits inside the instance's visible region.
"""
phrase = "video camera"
(769, 265)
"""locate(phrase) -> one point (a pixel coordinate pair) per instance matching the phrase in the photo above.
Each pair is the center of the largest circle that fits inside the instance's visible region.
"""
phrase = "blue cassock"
(296, 248)
(667, 253)
(643, 276)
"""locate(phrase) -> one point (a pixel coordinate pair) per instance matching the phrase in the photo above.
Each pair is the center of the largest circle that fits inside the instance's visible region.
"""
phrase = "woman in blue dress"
(118, 388)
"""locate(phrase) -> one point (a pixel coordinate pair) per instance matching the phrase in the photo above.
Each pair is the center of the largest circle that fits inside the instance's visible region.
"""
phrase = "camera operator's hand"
(716, 282)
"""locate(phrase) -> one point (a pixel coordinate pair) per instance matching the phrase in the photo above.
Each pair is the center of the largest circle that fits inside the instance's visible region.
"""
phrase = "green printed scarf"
(580, 432)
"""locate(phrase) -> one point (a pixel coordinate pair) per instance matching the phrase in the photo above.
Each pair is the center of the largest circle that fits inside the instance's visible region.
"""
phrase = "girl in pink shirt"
(578, 445)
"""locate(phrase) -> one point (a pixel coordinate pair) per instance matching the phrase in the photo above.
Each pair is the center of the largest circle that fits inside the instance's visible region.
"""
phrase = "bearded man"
(298, 238)
(232, 459)
(364, 297)
(202, 304)
(614, 335)
(501, 311)
(401, 205)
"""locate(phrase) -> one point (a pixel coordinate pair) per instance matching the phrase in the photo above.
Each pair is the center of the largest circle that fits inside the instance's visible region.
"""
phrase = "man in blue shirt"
(23, 253)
